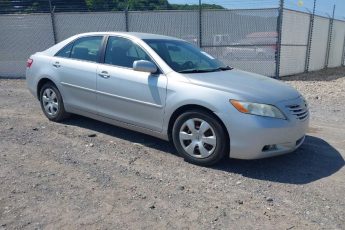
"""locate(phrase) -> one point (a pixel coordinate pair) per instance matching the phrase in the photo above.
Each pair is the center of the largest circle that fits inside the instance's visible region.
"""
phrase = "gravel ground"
(86, 174)
(325, 92)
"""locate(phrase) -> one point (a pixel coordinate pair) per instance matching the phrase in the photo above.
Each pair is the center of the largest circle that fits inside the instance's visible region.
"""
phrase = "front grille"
(300, 111)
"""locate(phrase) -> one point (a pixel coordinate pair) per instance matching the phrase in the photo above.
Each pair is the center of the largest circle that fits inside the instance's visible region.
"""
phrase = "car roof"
(132, 34)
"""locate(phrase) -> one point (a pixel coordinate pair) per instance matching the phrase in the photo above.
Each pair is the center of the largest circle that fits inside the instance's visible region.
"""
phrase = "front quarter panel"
(248, 133)
(181, 92)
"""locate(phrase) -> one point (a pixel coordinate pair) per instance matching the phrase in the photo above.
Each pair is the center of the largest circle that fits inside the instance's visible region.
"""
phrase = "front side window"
(184, 57)
(87, 48)
(123, 52)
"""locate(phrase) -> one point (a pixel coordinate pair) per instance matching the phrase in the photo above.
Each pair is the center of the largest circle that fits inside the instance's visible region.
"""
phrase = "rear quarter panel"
(40, 68)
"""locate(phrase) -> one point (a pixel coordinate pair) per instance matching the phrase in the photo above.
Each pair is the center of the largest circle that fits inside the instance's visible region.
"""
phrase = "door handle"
(104, 74)
(56, 64)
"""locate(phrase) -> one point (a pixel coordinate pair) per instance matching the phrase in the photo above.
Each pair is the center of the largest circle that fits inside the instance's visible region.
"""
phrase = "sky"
(323, 8)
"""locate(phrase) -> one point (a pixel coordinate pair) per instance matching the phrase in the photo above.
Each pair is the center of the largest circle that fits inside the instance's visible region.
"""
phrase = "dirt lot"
(87, 174)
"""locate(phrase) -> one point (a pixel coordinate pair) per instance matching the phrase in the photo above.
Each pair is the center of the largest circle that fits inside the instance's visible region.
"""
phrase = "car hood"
(246, 86)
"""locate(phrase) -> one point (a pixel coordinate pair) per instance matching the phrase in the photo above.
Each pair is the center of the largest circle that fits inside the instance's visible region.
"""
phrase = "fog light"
(268, 148)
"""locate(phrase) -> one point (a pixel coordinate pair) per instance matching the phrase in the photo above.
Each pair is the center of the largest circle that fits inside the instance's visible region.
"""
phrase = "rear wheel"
(200, 138)
(51, 102)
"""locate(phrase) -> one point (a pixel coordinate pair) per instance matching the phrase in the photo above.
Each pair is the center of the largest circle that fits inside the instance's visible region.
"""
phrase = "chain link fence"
(69, 24)
(245, 39)
(295, 31)
(337, 42)
(22, 35)
(310, 42)
(181, 24)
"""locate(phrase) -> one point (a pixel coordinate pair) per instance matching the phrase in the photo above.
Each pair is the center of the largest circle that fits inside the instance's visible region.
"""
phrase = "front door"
(133, 97)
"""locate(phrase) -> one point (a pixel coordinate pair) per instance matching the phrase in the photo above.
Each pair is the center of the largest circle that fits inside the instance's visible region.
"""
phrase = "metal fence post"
(329, 42)
(343, 57)
(310, 39)
(126, 19)
(52, 16)
(200, 24)
(279, 39)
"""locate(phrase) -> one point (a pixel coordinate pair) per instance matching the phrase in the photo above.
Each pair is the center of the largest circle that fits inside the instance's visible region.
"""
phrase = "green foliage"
(147, 4)
(6, 5)
(194, 7)
(32, 6)
(119, 5)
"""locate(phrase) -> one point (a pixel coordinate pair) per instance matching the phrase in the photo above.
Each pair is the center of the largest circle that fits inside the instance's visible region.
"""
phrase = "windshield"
(184, 57)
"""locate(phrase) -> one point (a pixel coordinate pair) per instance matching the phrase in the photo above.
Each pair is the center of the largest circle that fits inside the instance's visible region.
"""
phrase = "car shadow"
(121, 133)
(314, 160)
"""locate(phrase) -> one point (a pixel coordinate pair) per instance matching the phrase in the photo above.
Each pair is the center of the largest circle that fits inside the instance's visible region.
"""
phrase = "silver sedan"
(169, 88)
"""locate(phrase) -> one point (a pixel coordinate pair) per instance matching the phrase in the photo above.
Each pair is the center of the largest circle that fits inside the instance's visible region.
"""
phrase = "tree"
(6, 6)
(119, 5)
(98, 5)
(69, 5)
(194, 6)
(32, 6)
(148, 4)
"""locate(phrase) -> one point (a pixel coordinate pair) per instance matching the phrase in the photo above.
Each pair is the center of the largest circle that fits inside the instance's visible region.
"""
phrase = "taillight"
(29, 62)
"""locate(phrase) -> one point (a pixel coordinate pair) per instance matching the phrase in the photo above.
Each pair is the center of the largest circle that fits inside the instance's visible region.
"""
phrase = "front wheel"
(52, 103)
(200, 138)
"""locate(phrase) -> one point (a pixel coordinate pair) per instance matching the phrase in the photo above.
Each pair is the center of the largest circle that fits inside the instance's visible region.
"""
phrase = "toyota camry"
(170, 89)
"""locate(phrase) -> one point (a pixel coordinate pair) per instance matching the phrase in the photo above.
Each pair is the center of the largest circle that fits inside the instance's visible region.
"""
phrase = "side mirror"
(144, 66)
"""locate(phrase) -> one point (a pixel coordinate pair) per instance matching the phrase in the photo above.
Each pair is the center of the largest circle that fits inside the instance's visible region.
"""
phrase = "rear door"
(126, 95)
(76, 66)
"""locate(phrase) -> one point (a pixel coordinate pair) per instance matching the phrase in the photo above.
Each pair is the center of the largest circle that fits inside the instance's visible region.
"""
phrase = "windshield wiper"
(195, 71)
(222, 68)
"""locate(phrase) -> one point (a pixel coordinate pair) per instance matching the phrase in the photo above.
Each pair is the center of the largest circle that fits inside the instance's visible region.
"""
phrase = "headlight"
(258, 109)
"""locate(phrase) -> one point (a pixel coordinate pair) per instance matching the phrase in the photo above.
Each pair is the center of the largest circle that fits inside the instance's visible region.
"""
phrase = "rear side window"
(87, 48)
(66, 51)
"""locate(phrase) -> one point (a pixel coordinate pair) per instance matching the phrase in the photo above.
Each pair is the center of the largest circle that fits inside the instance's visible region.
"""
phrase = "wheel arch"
(41, 83)
(189, 107)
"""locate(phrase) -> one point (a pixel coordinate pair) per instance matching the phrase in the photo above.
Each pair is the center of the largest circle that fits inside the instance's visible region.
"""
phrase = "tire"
(52, 103)
(209, 136)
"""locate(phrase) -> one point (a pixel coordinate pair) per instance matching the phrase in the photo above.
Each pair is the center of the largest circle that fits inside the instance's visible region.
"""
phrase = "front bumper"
(250, 135)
